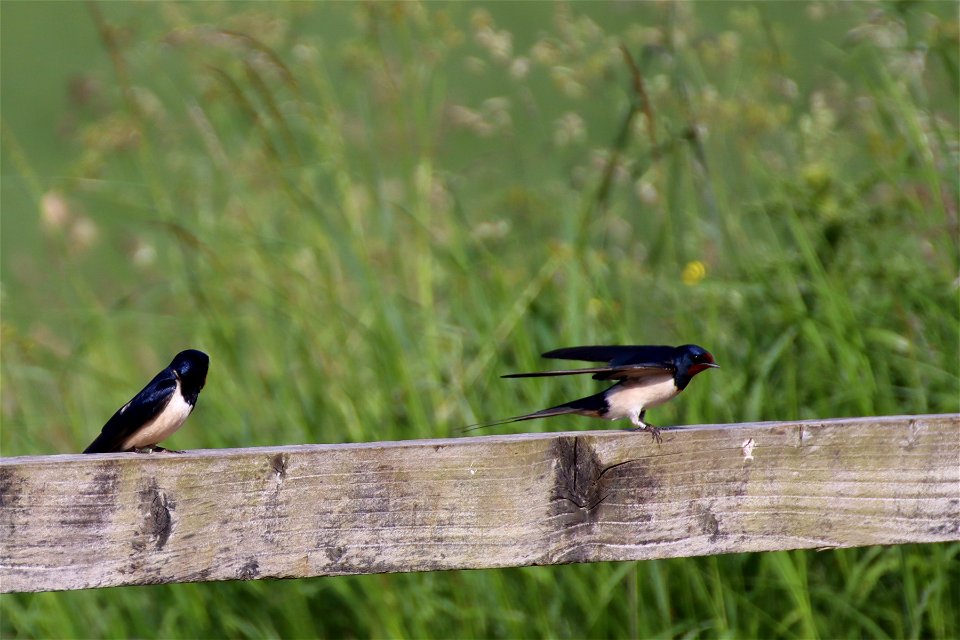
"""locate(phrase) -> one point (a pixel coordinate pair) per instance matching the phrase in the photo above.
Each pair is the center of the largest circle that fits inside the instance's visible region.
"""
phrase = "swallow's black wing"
(631, 361)
(615, 355)
(633, 372)
(144, 407)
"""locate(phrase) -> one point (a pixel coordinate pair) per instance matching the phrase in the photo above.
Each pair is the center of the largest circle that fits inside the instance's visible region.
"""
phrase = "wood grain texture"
(80, 521)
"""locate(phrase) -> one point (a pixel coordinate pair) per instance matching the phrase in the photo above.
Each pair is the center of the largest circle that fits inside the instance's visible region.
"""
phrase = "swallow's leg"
(637, 421)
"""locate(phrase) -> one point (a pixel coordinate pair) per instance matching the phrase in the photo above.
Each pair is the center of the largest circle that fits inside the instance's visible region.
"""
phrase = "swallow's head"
(693, 359)
(191, 367)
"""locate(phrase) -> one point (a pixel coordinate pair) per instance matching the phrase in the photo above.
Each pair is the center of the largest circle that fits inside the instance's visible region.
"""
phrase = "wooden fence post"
(81, 521)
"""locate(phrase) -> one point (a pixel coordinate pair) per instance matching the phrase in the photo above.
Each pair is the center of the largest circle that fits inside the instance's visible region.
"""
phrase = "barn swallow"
(648, 376)
(158, 410)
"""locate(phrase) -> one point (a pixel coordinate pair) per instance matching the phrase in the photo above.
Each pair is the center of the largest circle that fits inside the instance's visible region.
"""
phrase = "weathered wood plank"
(72, 521)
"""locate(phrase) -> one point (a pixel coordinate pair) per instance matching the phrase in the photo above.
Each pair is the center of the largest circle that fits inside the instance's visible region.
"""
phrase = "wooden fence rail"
(80, 521)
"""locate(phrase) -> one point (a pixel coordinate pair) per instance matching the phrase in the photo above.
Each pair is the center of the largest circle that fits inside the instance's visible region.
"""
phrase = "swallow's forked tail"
(590, 406)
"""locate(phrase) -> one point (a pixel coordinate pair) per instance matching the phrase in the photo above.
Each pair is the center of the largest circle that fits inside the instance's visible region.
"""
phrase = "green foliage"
(367, 213)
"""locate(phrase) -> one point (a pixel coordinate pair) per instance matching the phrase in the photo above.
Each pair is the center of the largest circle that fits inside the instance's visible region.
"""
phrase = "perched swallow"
(158, 410)
(648, 376)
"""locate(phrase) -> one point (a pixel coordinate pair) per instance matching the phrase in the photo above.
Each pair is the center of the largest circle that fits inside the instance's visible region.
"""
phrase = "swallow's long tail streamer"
(589, 406)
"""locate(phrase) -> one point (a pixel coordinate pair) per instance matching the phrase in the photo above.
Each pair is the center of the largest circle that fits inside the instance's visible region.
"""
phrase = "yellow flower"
(694, 272)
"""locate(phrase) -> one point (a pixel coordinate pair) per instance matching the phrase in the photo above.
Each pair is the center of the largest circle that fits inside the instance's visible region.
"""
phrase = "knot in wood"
(250, 570)
(577, 488)
(156, 506)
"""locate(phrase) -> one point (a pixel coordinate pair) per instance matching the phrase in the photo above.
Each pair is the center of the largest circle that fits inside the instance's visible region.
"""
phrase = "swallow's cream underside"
(628, 399)
(170, 418)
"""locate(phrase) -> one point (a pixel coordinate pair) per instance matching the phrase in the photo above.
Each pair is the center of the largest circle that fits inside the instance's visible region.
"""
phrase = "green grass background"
(366, 213)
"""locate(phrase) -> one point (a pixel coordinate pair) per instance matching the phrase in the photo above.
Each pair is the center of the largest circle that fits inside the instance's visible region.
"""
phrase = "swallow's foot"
(155, 449)
(654, 431)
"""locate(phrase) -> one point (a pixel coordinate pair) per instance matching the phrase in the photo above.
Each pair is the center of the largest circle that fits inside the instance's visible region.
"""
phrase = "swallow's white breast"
(629, 399)
(164, 425)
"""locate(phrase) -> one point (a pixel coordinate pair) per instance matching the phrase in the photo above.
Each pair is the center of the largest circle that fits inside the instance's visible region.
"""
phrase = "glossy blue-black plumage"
(616, 355)
(189, 367)
(629, 361)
